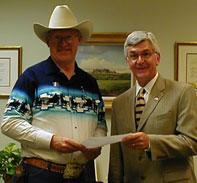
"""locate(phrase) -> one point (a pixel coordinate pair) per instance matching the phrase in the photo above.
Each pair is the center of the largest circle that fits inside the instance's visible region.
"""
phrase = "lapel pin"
(156, 98)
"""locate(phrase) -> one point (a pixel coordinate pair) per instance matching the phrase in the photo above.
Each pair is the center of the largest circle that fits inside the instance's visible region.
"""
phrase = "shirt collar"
(51, 67)
(149, 86)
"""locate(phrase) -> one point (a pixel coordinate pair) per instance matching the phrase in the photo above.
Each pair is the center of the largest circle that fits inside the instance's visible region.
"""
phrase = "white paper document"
(93, 142)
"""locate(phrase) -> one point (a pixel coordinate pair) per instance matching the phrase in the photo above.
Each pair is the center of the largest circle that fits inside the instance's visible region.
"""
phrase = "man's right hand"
(66, 145)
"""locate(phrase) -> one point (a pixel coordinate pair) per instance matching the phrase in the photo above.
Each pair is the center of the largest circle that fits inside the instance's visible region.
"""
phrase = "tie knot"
(142, 91)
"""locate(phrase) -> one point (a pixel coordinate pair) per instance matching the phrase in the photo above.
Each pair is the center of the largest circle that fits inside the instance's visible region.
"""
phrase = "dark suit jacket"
(170, 120)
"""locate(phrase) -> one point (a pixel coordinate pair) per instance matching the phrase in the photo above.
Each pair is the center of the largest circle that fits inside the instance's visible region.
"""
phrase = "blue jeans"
(34, 174)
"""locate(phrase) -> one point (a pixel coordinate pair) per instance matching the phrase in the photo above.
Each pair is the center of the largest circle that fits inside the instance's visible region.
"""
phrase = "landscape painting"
(107, 64)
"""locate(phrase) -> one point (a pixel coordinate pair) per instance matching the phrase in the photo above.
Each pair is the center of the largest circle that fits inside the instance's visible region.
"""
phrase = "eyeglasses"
(133, 57)
(59, 39)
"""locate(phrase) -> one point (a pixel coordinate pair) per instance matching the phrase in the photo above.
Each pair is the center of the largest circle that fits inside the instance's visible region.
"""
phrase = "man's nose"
(64, 41)
(140, 59)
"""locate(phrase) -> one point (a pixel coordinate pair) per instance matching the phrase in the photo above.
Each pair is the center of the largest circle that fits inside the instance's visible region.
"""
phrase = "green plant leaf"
(10, 157)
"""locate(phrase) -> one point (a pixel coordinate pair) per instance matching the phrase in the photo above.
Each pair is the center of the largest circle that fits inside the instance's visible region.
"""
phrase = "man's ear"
(158, 58)
(80, 39)
(128, 63)
(47, 42)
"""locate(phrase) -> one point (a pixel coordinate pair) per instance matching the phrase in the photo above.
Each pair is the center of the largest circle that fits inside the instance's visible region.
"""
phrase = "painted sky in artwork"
(102, 57)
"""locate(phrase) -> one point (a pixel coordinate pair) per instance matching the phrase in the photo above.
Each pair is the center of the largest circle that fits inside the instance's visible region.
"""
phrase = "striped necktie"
(139, 107)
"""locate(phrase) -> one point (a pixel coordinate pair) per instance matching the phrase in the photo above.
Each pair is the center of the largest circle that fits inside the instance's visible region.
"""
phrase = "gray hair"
(138, 36)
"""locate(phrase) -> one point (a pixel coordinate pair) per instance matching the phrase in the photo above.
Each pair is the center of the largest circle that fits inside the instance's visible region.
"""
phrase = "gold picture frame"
(101, 43)
(10, 68)
(107, 38)
(186, 62)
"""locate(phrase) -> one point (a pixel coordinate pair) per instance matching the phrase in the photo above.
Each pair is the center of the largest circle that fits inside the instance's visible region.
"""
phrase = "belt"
(69, 171)
(45, 165)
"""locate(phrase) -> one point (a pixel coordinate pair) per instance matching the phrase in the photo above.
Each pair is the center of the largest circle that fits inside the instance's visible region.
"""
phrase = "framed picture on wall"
(186, 62)
(10, 68)
(102, 56)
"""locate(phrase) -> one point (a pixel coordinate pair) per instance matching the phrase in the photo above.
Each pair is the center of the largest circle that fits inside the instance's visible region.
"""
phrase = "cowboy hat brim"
(85, 28)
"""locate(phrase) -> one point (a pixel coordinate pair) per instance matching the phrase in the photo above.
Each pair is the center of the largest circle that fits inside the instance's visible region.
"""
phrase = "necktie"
(139, 107)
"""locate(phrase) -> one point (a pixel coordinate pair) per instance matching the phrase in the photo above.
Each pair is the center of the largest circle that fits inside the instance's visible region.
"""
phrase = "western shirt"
(44, 103)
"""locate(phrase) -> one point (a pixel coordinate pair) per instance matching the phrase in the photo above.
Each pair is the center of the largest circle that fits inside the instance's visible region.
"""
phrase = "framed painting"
(102, 56)
(186, 62)
(10, 68)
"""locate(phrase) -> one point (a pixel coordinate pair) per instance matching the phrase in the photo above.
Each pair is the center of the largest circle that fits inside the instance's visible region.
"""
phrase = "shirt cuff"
(43, 138)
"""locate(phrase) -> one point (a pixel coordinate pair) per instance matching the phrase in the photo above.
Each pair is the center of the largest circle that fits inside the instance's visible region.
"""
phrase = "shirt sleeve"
(17, 116)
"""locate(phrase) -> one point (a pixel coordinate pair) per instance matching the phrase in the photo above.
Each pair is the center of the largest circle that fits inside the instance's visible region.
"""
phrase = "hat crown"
(62, 16)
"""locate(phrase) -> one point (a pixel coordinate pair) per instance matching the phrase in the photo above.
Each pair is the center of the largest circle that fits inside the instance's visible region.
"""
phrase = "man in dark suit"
(162, 128)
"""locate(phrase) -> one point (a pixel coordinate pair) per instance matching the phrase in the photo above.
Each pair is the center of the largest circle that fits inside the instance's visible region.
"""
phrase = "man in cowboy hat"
(55, 106)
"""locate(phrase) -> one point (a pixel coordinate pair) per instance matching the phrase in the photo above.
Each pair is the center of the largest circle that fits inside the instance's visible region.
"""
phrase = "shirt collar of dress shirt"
(148, 87)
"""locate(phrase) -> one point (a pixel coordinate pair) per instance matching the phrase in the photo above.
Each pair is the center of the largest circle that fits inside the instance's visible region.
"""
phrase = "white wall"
(169, 20)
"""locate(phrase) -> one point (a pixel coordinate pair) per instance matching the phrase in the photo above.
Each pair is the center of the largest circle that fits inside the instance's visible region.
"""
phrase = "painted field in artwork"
(113, 84)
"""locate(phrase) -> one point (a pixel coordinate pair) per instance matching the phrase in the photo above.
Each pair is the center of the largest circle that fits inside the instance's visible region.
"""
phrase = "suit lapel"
(155, 96)
(130, 109)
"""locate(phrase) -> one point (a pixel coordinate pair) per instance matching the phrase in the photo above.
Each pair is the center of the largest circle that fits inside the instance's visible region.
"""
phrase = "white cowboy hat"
(63, 18)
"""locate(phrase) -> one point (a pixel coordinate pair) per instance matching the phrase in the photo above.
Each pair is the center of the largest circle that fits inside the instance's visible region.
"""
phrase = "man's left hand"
(136, 141)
